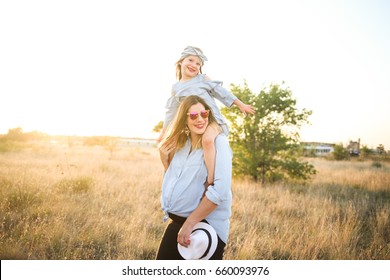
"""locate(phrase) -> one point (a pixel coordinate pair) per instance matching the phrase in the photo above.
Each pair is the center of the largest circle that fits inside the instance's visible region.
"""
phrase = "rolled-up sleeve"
(221, 190)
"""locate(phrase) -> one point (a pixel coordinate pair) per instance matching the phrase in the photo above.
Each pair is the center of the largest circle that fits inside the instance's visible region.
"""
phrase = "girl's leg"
(209, 151)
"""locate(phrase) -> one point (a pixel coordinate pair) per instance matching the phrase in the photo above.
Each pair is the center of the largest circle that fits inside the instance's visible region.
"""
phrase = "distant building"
(125, 141)
(381, 149)
(354, 148)
(317, 148)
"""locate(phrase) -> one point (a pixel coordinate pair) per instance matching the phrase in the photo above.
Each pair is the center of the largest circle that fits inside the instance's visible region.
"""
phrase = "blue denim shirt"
(183, 185)
(207, 90)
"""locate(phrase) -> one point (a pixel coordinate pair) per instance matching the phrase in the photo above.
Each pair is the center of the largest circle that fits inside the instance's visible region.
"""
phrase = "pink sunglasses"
(194, 115)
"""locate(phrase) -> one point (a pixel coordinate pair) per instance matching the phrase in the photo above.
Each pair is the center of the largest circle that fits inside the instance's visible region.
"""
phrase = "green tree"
(365, 151)
(158, 127)
(340, 152)
(266, 144)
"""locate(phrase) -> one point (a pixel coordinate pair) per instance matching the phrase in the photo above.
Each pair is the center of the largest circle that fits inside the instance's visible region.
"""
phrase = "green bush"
(340, 153)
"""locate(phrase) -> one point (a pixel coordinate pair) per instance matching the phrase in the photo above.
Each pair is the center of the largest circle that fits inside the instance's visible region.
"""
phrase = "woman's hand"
(166, 150)
(183, 237)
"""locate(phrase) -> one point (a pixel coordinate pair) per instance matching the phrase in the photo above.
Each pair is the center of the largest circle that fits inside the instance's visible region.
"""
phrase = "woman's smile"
(198, 124)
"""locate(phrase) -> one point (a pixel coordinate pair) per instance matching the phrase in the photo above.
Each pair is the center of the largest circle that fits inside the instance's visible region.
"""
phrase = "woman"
(184, 198)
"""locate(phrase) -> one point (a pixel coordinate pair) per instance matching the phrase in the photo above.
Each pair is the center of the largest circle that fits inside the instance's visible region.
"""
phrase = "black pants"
(168, 245)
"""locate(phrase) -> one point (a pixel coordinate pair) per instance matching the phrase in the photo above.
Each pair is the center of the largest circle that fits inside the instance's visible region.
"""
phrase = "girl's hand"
(245, 109)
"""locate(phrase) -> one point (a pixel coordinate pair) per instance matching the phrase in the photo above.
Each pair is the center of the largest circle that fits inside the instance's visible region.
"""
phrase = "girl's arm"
(226, 97)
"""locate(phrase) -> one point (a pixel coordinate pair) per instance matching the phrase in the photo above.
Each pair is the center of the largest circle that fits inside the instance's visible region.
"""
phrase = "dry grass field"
(76, 202)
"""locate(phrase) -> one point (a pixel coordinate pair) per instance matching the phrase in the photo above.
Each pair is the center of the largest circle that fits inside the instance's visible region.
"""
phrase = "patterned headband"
(194, 51)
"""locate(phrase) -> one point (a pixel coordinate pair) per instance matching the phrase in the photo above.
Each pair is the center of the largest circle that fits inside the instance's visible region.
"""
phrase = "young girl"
(193, 82)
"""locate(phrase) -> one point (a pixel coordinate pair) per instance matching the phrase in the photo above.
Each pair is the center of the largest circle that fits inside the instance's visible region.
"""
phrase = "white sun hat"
(203, 243)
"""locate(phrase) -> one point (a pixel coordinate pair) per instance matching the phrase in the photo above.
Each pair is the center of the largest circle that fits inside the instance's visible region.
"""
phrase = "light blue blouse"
(183, 185)
(207, 90)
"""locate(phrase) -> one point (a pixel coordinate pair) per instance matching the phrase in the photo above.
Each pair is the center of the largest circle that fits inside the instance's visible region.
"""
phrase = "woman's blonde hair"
(176, 130)
(179, 75)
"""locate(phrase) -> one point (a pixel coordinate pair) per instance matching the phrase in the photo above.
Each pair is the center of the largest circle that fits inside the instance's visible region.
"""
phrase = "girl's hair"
(176, 130)
(178, 68)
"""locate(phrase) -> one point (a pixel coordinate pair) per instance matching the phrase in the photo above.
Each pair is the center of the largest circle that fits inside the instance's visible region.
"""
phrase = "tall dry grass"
(60, 202)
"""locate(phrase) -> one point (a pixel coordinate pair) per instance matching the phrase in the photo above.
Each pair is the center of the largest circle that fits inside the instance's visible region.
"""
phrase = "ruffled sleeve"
(171, 109)
(220, 93)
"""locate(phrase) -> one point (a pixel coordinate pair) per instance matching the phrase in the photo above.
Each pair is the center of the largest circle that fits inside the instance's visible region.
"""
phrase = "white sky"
(106, 67)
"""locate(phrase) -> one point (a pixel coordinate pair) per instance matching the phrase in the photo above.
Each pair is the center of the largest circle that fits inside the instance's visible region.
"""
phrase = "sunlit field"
(61, 201)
